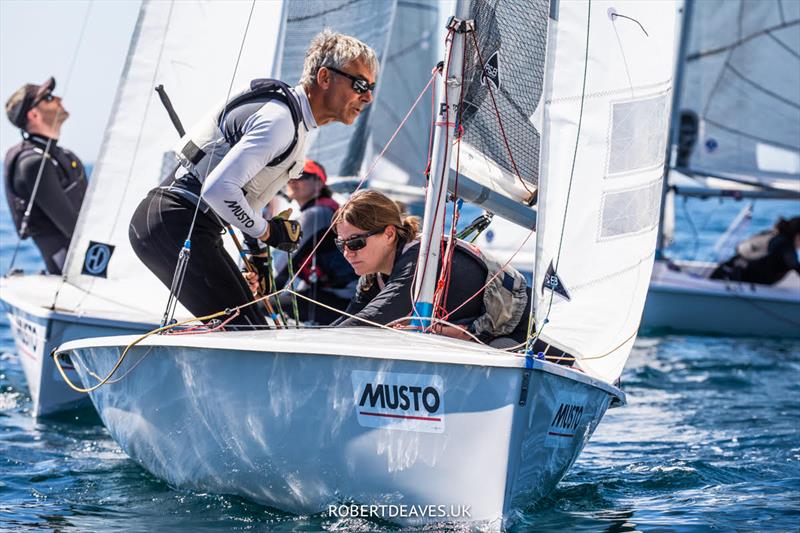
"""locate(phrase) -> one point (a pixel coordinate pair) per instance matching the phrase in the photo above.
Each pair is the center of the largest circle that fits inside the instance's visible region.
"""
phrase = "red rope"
(499, 119)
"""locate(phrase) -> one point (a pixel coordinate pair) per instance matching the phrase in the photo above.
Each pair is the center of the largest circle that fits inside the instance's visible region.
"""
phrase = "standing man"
(237, 159)
(40, 169)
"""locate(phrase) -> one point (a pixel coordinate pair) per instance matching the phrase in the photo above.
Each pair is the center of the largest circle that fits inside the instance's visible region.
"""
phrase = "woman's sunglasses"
(356, 242)
(360, 85)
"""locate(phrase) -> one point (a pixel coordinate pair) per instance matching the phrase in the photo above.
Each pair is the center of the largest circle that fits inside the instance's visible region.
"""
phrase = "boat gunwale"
(238, 341)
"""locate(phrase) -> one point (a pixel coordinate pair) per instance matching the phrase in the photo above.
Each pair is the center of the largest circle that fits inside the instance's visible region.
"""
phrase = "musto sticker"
(566, 421)
(408, 402)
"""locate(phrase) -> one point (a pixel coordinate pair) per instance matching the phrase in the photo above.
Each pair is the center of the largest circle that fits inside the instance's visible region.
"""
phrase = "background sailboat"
(300, 418)
(735, 134)
(105, 289)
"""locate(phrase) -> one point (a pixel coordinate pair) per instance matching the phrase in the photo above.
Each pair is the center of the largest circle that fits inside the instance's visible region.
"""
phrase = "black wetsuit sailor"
(764, 258)
(62, 185)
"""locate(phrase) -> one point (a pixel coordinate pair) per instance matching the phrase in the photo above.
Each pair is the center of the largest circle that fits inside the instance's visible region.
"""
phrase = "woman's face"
(376, 256)
(303, 189)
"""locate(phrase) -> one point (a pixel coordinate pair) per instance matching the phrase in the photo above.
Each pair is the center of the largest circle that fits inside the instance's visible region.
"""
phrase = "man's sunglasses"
(360, 85)
(356, 242)
(47, 97)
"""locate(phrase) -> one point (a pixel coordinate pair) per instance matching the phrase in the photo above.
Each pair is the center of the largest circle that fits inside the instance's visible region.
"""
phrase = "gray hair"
(330, 49)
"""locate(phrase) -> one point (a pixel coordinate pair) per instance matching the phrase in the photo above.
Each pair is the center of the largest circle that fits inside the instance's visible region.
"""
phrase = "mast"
(686, 26)
(436, 199)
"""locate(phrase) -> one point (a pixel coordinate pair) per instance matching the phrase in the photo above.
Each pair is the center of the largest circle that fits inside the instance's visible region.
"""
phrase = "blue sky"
(40, 38)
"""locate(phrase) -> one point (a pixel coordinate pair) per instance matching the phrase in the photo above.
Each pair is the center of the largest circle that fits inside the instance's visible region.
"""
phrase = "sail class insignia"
(554, 283)
(491, 70)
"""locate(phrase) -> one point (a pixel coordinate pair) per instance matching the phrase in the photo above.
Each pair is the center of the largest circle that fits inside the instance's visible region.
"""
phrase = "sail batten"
(739, 101)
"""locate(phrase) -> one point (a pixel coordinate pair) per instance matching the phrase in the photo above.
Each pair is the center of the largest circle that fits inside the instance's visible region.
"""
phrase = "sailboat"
(735, 135)
(105, 289)
(303, 419)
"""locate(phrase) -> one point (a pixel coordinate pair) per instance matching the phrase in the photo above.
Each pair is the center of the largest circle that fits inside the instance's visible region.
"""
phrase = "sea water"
(710, 440)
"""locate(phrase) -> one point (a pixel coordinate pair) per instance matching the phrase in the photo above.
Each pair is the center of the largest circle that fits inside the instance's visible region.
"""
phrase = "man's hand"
(284, 234)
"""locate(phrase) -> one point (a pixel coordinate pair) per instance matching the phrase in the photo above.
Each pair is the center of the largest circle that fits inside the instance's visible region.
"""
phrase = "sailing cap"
(25, 98)
(312, 168)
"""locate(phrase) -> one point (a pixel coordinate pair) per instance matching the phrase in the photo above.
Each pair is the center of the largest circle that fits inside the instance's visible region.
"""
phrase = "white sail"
(412, 54)
(742, 88)
(606, 113)
(192, 48)
(338, 147)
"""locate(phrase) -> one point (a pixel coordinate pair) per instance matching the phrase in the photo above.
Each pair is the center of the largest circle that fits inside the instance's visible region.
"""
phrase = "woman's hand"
(456, 332)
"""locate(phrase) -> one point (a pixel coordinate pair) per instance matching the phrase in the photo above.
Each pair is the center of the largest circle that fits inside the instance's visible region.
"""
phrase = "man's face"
(49, 111)
(341, 99)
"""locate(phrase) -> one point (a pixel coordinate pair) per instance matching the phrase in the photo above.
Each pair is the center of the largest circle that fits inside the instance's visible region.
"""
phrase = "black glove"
(284, 234)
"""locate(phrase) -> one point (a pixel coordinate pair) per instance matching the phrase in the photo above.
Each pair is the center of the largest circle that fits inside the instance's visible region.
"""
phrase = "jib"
(400, 397)
(568, 416)
(239, 213)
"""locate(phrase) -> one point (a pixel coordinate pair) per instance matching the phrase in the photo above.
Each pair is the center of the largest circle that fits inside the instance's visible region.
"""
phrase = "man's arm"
(50, 196)
(268, 133)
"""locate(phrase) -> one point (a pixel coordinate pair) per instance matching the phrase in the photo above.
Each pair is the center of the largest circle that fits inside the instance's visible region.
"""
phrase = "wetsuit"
(328, 278)
(58, 198)
(382, 299)
(765, 259)
(236, 186)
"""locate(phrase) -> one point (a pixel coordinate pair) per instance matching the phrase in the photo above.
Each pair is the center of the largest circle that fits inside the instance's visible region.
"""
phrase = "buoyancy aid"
(71, 173)
(202, 148)
(504, 296)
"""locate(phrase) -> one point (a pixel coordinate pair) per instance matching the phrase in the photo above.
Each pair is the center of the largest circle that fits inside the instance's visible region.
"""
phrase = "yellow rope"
(103, 381)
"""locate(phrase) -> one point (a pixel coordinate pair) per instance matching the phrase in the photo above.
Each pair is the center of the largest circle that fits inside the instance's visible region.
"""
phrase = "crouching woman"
(382, 246)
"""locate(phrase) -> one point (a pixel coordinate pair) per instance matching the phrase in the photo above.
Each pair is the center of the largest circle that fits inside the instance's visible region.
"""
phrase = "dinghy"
(567, 99)
(735, 135)
(105, 289)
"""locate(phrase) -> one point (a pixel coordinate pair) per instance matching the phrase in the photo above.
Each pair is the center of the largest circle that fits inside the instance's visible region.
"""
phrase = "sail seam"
(663, 85)
(714, 51)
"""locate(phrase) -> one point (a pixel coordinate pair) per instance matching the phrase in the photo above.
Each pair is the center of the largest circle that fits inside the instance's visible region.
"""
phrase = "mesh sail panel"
(511, 39)
(338, 147)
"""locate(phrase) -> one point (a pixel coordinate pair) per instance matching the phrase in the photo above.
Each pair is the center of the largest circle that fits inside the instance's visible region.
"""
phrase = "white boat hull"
(37, 329)
(285, 418)
(683, 302)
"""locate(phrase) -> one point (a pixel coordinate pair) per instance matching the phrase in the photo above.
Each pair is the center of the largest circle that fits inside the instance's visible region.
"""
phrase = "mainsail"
(740, 100)
(413, 52)
(338, 147)
(192, 48)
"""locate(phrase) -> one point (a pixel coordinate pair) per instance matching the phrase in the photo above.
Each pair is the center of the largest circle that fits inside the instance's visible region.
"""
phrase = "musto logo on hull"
(407, 402)
(567, 420)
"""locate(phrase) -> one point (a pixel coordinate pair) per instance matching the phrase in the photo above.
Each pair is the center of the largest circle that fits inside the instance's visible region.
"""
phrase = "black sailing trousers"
(213, 282)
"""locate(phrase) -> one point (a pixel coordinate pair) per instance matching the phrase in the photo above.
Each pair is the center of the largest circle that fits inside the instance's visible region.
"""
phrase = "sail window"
(637, 134)
(630, 211)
